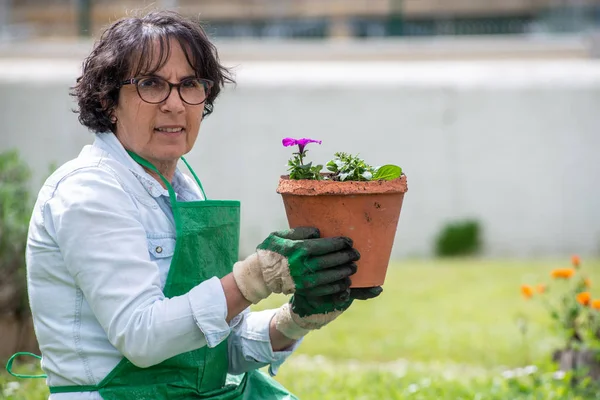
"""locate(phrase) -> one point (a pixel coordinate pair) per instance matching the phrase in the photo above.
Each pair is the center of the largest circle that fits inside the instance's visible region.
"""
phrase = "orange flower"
(584, 298)
(541, 288)
(587, 282)
(526, 291)
(596, 304)
(575, 260)
(564, 273)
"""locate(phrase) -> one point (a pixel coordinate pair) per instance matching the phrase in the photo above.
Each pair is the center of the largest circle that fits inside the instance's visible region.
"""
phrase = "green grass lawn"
(459, 311)
(443, 320)
(440, 330)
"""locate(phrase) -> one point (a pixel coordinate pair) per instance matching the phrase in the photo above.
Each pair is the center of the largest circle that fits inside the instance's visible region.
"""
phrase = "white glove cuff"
(284, 323)
(249, 278)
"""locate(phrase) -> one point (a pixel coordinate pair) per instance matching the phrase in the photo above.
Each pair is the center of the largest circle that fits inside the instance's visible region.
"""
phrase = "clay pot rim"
(308, 187)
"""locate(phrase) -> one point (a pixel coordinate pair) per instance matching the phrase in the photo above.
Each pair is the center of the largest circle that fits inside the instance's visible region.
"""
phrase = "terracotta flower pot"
(366, 212)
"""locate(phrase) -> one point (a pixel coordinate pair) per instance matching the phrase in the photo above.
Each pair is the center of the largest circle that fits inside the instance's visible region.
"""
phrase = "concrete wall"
(513, 144)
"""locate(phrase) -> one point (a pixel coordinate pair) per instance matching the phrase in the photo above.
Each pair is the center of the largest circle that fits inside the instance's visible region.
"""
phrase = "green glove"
(295, 259)
(305, 313)
(306, 305)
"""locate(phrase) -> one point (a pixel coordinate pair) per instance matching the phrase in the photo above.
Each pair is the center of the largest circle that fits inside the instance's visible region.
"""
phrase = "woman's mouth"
(169, 130)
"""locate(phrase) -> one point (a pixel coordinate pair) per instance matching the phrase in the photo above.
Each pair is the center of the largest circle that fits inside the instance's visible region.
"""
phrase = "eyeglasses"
(154, 89)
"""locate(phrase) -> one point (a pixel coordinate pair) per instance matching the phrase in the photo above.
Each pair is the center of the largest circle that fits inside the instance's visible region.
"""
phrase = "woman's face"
(160, 133)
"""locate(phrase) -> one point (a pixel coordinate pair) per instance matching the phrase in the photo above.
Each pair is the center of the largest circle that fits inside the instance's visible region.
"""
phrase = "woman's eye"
(190, 84)
(149, 82)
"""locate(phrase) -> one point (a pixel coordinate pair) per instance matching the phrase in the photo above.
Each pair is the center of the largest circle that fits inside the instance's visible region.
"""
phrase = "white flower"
(11, 388)
(530, 370)
(412, 388)
(559, 375)
(508, 374)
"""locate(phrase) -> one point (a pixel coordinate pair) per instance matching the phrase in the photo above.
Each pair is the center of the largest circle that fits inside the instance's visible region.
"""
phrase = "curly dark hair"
(126, 49)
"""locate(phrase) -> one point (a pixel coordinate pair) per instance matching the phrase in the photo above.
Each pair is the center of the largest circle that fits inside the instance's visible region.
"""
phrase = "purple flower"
(300, 142)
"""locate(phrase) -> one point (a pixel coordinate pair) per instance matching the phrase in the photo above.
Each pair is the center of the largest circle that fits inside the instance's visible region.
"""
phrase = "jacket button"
(159, 249)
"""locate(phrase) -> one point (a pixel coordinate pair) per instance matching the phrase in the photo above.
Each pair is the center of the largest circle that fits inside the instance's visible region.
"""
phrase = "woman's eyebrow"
(162, 77)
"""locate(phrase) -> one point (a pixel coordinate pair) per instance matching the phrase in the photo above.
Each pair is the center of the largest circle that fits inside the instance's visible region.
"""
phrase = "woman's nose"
(173, 103)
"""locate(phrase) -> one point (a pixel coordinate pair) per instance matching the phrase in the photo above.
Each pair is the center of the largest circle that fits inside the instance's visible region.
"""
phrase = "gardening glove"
(295, 259)
(305, 313)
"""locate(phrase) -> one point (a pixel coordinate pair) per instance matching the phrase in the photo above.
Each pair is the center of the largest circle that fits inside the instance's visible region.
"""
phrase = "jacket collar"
(109, 143)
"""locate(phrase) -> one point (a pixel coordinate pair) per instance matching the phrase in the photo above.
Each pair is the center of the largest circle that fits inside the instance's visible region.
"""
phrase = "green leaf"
(331, 166)
(387, 173)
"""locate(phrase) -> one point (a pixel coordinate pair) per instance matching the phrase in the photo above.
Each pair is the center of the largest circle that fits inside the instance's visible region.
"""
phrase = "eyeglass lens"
(156, 90)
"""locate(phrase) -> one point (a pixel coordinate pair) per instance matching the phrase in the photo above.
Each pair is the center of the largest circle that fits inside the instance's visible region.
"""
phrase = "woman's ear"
(111, 114)
(113, 120)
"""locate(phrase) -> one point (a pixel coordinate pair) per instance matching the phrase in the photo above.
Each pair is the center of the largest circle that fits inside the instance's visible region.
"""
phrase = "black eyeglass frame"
(134, 81)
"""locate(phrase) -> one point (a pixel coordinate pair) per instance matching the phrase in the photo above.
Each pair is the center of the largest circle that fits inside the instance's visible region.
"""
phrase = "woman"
(134, 283)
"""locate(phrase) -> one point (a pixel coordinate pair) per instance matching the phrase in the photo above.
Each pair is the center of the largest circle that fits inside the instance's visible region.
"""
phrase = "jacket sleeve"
(250, 344)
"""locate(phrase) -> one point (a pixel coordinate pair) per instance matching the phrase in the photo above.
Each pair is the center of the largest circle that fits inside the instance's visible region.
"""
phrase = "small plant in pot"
(352, 199)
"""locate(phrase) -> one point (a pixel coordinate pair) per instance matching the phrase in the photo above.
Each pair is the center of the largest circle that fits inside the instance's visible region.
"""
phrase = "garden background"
(497, 134)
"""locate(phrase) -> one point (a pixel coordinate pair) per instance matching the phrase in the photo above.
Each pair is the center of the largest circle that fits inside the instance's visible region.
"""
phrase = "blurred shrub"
(15, 211)
(459, 238)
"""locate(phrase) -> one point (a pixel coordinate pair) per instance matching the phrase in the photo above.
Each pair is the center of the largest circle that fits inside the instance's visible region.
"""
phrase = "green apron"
(206, 246)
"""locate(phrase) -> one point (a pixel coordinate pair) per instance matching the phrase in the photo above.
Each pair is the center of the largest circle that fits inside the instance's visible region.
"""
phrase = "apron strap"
(151, 167)
(74, 389)
(195, 177)
(9, 365)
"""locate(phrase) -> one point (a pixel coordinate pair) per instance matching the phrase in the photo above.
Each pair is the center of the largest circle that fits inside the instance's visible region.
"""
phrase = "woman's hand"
(296, 260)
